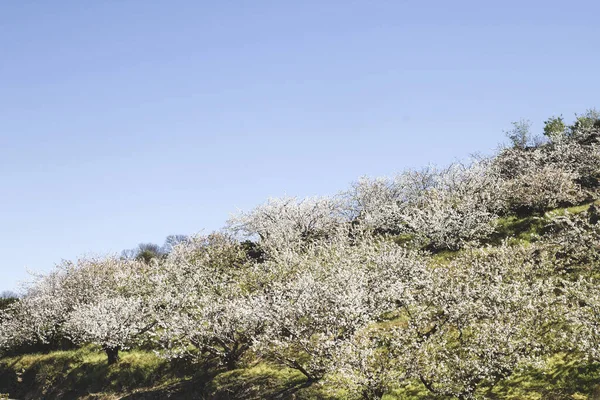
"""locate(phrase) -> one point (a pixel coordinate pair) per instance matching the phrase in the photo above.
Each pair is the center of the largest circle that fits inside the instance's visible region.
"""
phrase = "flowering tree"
(80, 301)
(443, 209)
(40, 315)
(563, 172)
(367, 365)
(486, 313)
(114, 323)
(287, 224)
(30, 320)
(583, 314)
(577, 240)
(315, 303)
(203, 300)
(540, 189)
(472, 322)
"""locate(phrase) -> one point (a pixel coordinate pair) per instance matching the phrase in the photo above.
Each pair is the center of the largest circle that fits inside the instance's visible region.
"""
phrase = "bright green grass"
(571, 210)
(264, 381)
(528, 229)
(564, 377)
(72, 374)
(85, 374)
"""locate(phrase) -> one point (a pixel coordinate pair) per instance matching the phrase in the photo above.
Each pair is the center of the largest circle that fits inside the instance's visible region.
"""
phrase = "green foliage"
(142, 375)
(529, 228)
(586, 121)
(572, 210)
(6, 299)
(555, 128)
(148, 251)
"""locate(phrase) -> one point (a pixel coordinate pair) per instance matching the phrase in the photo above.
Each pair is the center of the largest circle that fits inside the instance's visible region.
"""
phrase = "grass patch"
(257, 382)
(564, 377)
(81, 372)
(526, 229)
(571, 210)
(140, 375)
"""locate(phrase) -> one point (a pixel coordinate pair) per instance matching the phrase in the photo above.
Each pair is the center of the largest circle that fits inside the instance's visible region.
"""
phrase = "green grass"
(263, 381)
(84, 374)
(572, 210)
(528, 229)
(564, 377)
(76, 373)
(516, 229)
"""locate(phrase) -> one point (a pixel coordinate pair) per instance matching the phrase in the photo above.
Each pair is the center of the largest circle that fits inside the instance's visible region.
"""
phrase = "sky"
(123, 122)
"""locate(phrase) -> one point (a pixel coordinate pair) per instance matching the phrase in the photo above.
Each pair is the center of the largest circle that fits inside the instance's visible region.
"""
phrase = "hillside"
(478, 280)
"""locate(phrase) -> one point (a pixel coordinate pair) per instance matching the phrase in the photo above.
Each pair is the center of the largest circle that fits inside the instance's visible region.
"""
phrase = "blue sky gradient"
(125, 121)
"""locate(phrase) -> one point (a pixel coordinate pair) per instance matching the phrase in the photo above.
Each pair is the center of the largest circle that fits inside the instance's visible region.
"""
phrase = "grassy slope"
(139, 375)
(84, 373)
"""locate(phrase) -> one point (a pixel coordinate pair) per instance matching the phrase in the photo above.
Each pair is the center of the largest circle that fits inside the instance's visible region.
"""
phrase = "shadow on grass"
(566, 377)
(75, 374)
(141, 375)
(258, 382)
(526, 229)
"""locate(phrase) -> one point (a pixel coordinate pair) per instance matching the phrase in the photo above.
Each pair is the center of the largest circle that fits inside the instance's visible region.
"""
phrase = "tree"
(287, 223)
(367, 365)
(469, 324)
(171, 241)
(520, 134)
(7, 298)
(555, 129)
(107, 302)
(585, 122)
(583, 312)
(440, 209)
(316, 301)
(113, 323)
(203, 299)
(145, 252)
(148, 251)
(485, 314)
(540, 189)
(576, 238)
(84, 301)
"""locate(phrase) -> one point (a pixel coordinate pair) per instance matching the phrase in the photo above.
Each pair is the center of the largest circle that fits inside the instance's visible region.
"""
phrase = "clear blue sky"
(126, 121)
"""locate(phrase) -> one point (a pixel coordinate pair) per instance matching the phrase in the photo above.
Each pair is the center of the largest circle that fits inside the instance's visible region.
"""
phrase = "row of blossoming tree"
(352, 290)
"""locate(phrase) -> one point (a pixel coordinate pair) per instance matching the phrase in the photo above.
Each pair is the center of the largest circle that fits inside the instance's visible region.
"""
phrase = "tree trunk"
(310, 378)
(113, 355)
(233, 354)
(231, 361)
(373, 393)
